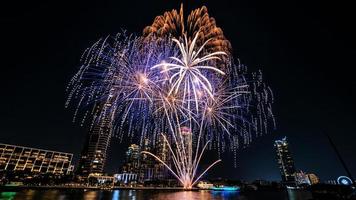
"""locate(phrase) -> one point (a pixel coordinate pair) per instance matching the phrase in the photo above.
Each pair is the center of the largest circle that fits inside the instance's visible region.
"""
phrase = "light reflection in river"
(143, 195)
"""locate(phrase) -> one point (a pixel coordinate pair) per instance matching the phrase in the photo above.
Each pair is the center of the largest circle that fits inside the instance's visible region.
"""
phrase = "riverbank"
(83, 187)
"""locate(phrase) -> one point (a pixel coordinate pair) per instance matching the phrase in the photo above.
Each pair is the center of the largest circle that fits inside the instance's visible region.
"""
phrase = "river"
(30, 194)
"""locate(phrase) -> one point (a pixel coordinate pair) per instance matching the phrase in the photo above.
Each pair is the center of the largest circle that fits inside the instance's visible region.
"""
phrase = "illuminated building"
(126, 178)
(27, 159)
(285, 162)
(94, 153)
(187, 141)
(146, 163)
(162, 151)
(205, 185)
(142, 167)
(136, 167)
(344, 180)
(132, 165)
(313, 179)
(99, 179)
(302, 178)
(131, 170)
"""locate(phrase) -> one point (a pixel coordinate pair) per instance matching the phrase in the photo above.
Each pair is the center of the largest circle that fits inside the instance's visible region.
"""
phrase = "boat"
(225, 188)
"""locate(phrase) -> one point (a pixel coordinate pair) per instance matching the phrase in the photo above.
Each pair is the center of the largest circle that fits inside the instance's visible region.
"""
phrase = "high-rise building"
(27, 159)
(285, 162)
(187, 142)
(94, 153)
(132, 169)
(162, 151)
(132, 164)
(146, 162)
(143, 167)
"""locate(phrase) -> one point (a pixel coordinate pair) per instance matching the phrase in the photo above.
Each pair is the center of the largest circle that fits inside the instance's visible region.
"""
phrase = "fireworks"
(173, 23)
(147, 86)
(188, 75)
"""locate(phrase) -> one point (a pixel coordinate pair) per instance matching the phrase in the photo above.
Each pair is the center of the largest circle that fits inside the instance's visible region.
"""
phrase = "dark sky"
(306, 51)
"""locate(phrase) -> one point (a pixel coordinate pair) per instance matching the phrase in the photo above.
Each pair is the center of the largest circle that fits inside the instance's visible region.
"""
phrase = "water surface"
(147, 195)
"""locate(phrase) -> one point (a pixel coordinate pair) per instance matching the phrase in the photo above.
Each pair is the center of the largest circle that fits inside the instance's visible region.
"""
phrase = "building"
(313, 179)
(302, 178)
(132, 170)
(140, 167)
(132, 164)
(205, 185)
(188, 142)
(162, 151)
(26, 159)
(306, 179)
(102, 180)
(126, 178)
(94, 153)
(285, 162)
(146, 162)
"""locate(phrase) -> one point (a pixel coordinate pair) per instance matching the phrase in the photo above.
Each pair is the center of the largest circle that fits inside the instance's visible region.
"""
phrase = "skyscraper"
(147, 162)
(162, 151)
(285, 162)
(187, 141)
(131, 170)
(145, 166)
(94, 153)
(132, 164)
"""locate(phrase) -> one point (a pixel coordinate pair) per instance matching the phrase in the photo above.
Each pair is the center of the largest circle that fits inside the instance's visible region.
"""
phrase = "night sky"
(306, 51)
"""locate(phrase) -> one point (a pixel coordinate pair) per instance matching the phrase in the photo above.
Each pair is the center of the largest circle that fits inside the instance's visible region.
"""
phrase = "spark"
(150, 87)
(187, 70)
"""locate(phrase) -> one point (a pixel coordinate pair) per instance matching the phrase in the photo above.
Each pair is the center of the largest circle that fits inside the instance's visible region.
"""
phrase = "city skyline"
(311, 134)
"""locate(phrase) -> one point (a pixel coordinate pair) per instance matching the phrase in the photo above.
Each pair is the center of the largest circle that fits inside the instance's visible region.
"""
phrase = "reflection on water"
(116, 195)
(296, 195)
(91, 195)
(146, 195)
(195, 195)
(7, 195)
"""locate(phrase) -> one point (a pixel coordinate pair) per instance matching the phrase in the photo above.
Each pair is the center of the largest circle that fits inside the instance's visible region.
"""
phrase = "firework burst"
(149, 86)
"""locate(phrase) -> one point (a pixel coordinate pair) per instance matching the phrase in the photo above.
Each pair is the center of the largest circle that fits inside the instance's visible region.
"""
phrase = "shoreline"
(21, 187)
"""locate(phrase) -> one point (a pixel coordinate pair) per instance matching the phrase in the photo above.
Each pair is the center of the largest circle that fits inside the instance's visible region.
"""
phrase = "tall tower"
(188, 142)
(94, 153)
(162, 151)
(285, 162)
(132, 164)
(146, 162)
